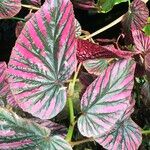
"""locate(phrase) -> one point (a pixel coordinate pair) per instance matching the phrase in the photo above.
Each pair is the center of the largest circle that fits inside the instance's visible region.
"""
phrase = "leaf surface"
(126, 135)
(107, 5)
(106, 99)
(6, 96)
(19, 133)
(95, 66)
(43, 58)
(135, 18)
(9, 8)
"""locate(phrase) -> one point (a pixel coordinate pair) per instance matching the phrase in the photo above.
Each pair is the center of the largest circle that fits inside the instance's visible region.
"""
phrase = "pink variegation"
(95, 66)
(135, 18)
(43, 58)
(6, 95)
(142, 46)
(9, 8)
(106, 99)
(19, 133)
(126, 135)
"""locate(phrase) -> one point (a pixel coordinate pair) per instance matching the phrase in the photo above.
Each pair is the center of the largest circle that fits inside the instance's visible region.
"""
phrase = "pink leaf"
(43, 58)
(9, 8)
(5, 92)
(106, 99)
(136, 18)
(126, 135)
(88, 50)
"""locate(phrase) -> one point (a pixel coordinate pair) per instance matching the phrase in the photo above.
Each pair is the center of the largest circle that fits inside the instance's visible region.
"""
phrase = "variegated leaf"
(141, 41)
(43, 58)
(142, 45)
(106, 99)
(32, 2)
(56, 129)
(6, 96)
(135, 18)
(19, 133)
(78, 28)
(126, 135)
(9, 8)
(95, 66)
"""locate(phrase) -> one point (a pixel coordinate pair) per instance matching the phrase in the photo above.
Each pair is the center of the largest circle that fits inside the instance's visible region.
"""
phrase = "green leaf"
(146, 29)
(107, 5)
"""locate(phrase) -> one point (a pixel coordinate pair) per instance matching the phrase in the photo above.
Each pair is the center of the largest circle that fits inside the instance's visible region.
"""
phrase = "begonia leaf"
(95, 66)
(19, 133)
(43, 58)
(6, 96)
(9, 8)
(106, 99)
(126, 135)
(135, 18)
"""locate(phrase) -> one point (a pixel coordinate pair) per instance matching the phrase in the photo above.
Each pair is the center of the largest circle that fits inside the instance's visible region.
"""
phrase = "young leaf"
(9, 8)
(6, 96)
(88, 50)
(106, 99)
(18, 133)
(106, 5)
(43, 58)
(126, 135)
(95, 66)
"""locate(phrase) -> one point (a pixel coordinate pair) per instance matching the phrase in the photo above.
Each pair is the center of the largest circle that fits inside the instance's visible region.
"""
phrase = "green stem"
(72, 120)
(81, 142)
(16, 18)
(146, 132)
(70, 105)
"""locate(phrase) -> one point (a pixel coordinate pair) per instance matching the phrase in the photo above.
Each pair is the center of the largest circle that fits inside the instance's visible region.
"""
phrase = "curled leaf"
(88, 50)
(9, 8)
